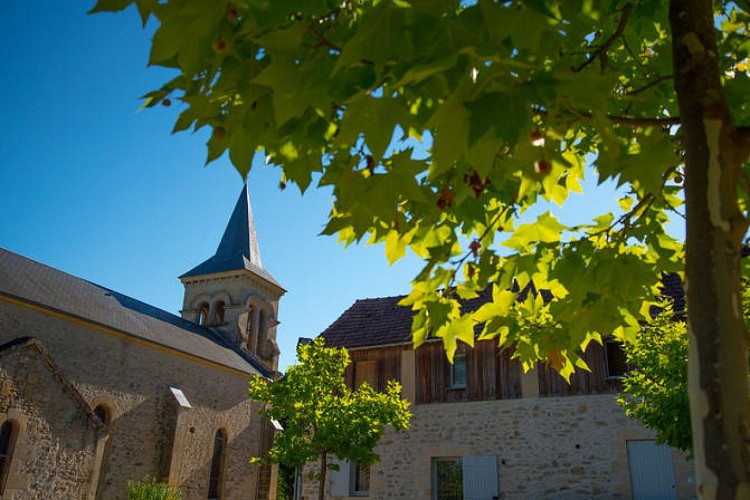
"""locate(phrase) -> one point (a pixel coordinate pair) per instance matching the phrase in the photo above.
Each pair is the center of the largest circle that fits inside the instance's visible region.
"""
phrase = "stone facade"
(52, 425)
(563, 448)
(132, 380)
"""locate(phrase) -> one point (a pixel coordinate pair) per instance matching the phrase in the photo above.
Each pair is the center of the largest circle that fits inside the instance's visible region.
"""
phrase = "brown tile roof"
(371, 322)
(380, 321)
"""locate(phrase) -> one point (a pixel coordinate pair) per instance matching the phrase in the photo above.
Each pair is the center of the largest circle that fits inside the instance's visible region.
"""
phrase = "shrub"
(152, 490)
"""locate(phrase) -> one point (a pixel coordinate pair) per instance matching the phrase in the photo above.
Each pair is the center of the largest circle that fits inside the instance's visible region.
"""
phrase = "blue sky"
(93, 187)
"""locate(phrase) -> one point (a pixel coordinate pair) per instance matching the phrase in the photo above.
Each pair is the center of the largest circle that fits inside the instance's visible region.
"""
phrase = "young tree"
(655, 389)
(322, 417)
(440, 122)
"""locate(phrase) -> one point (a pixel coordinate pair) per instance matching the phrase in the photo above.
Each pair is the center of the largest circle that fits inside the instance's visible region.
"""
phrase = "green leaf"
(546, 229)
(373, 118)
(502, 113)
(383, 36)
(395, 248)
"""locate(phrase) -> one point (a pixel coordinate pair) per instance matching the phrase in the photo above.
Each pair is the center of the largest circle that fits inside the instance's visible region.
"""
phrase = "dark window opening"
(203, 314)
(617, 362)
(360, 480)
(448, 477)
(219, 314)
(102, 413)
(8, 435)
(217, 465)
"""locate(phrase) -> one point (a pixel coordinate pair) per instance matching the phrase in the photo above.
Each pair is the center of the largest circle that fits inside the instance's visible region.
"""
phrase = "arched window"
(217, 465)
(260, 347)
(219, 313)
(8, 435)
(203, 314)
(102, 412)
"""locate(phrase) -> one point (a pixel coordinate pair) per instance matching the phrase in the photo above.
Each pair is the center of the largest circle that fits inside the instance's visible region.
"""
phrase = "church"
(98, 389)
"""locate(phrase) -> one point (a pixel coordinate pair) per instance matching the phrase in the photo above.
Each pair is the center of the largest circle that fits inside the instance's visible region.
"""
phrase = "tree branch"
(632, 121)
(649, 85)
(601, 52)
(323, 41)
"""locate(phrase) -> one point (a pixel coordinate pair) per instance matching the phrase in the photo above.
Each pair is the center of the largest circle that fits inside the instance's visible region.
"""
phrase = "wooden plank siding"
(581, 382)
(490, 374)
(387, 364)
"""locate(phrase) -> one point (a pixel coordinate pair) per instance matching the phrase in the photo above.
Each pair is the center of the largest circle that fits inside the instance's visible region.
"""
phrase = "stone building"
(98, 389)
(482, 429)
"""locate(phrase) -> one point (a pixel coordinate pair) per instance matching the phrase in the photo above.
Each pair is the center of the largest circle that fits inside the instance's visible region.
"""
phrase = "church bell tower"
(233, 294)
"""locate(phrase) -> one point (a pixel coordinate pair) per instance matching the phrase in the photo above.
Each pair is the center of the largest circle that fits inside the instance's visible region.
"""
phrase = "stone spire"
(238, 248)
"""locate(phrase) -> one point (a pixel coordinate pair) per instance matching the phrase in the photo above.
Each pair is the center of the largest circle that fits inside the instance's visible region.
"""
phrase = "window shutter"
(339, 479)
(366, 371)
(480, 477)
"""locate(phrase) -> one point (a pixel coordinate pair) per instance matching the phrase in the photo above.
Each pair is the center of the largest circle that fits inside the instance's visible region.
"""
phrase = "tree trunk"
(322, 477)
(718, 365)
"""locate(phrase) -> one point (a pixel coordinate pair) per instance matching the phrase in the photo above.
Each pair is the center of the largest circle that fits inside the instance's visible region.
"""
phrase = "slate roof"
(238, 248)
(53, 289)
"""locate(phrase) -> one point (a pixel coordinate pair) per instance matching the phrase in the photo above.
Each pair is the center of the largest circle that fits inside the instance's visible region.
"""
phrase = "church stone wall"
(563, 448)
(50, 428)
(132, 380)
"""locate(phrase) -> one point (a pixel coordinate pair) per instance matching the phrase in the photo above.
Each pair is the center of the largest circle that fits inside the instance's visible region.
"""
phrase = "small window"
(217, 465)
(447, 479)
(102, 412)
(219, 314)
(360, 480)
(8, 435)
(458, 371)
(203, 314)
(617, 362)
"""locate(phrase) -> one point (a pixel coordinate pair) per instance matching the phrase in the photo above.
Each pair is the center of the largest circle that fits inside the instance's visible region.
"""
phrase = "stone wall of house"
(148, 429)
(55, 439)
(564, 448)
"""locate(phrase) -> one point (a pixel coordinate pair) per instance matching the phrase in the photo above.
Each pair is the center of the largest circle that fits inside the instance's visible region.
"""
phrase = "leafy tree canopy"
(439, 123)
(322, 417)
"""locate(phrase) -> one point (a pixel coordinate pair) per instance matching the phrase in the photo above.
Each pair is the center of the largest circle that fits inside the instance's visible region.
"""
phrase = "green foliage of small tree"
(152, 490)
(322, 417)
(655, 389)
